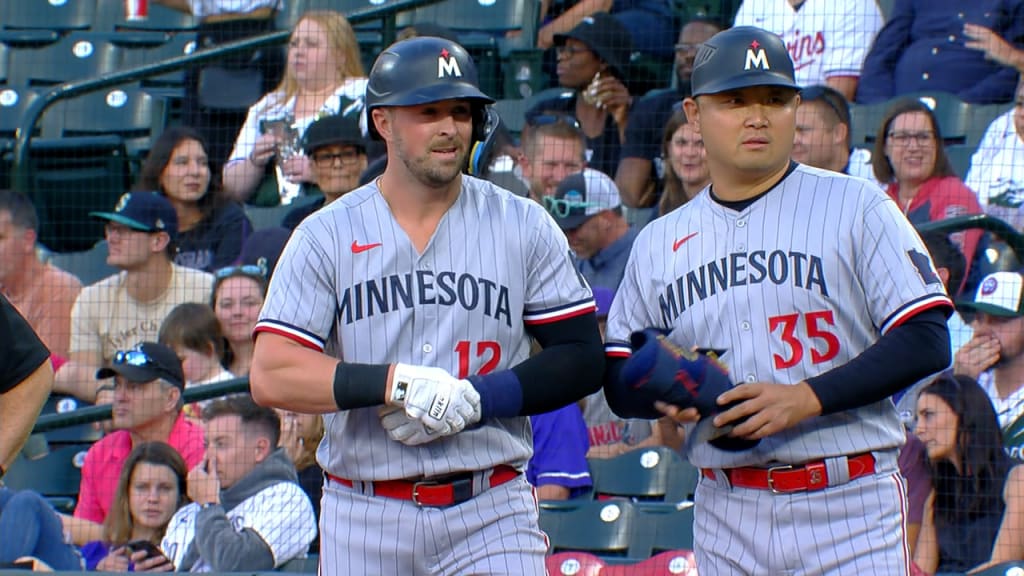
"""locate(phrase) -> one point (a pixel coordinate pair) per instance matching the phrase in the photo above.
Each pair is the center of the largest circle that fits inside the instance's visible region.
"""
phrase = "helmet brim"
(748, 80)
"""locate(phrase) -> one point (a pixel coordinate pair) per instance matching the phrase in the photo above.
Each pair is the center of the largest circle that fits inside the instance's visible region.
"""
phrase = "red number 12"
(488, 348)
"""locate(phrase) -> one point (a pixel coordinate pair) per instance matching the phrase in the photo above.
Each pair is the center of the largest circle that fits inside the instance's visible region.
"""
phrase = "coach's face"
(431, 140)
(748, 133)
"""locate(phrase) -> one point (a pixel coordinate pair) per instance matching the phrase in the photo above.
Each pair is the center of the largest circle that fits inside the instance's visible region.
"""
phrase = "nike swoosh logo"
(358, 248)
(681, 241)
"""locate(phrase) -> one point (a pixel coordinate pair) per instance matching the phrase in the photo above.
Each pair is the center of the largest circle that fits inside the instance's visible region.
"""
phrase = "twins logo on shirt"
(805, 48)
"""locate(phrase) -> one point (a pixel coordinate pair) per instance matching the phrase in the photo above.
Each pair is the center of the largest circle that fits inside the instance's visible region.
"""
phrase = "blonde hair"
(310, 441)
(342, 39)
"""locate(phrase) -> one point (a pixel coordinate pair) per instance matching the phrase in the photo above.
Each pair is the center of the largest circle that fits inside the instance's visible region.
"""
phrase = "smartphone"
(277, 127)
(150, 548)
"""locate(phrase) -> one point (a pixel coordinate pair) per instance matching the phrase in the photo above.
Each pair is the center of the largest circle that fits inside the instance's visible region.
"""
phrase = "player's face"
(748, 133)
(577, 64)
(152, 495)
(555, 159)
(432, 140)
(127, 248)
(1018, 111)
(911, 147)
(186, 177)
(232, 451)
(337, 168)
(691, 37)
(138, 405)
(15, 244)
(815, 141)
(936, 426)
(237, 306)
(588, 238)
(687, 157)
(310, 59)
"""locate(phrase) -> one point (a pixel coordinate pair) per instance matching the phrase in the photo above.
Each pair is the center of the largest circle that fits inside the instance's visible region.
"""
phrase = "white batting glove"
(401, 428)
(443, 404)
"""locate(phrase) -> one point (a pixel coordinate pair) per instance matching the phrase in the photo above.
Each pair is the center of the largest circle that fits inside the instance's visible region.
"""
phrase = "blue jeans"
(31, 527)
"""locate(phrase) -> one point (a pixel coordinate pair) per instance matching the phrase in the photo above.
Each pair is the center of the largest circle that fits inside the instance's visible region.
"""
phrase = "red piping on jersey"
(902, 316)
(303, 341)
(617, 354)
(570, 314)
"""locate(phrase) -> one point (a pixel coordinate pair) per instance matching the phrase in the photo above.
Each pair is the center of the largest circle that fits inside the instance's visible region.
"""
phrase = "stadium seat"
(170, 84)
(513, 114)
(647, 474)
(952, 113)
(574, 564)
(982, 116)
(601, 528)
(90, 266)
(128, 113)
(271, 216)
(14, 100)
(486, 16)
(671, 527)
(960, 157)
(36, 21)
(110, 17)
(669, 563)
(305, 565)
(864, 122)
(58, 473)
(3, 64)
(77, 56)
(1013, 568)
(78, 434)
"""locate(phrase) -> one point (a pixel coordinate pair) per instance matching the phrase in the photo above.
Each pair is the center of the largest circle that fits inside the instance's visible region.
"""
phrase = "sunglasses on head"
(134, 357)
(560, 207)
(536, 120)
(245, 269)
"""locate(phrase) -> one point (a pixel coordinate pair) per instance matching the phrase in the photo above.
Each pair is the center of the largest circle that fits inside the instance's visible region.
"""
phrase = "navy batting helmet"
(421, 70)
(741, 57)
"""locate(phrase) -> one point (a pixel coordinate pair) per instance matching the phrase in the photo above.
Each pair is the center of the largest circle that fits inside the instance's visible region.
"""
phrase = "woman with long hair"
(975, 513)
(211, 229)
(686, 169)
(324, 75)
(238, 294)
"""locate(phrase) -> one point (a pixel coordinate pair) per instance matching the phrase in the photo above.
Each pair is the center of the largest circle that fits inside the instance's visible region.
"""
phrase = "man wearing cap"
(148, 383)
(798, 454)
(995, 355)
(128, 307)
(587, 207)
(336, 146)
(593, 60)
(823, 134)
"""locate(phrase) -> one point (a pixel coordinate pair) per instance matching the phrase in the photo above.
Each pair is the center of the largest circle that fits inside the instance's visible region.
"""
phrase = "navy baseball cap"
(581, 196)
(606, 37)
(333, 129)
(145, 362)
(741, 57)
(143, 211)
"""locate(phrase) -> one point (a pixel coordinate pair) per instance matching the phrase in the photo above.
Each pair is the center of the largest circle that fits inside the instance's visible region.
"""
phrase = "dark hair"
(23, 212)
(946, 254)
(672, 195)
(837, 108)
(194, 326)
(977, 489)
(160, 155)
(117, 528)
(880, 161)
(255, 418)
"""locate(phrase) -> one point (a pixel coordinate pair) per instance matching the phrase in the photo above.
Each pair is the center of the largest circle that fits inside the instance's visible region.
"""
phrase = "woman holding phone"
(151, 489)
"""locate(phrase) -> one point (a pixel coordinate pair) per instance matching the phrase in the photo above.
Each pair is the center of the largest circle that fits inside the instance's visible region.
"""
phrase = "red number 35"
(813, 330)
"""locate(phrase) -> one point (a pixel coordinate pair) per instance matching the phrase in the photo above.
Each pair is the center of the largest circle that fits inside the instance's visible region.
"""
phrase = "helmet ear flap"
(481, 128)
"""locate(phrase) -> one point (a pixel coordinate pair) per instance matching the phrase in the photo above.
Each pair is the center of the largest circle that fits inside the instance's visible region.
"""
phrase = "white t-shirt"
(203, 8)
(1008, 409)
(997, 171)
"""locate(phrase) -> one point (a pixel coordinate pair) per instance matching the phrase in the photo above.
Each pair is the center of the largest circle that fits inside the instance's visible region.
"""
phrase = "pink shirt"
(106, 458)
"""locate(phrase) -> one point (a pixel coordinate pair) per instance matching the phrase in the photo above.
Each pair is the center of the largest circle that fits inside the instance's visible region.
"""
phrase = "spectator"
(147, 408)
(337, 148)
(42, 293)
(974, 514)
(151, 488)
(587, 207)
(211, 229)
(493, 158)
(553, 146)
(193, 331)
(995, 355)
(264, 247)
(916, 470)
(823, 134)
(638, 175)
(237, 297)
(324, 76)
(300, 437)
(994, 47)
(32, 528)
(826, 40)
(684, 163)
(128, 307)
(997, 173)
(649, 22)
(558, 468)
(923, 47)
(248, 512)
(223, 22)
(593, 60)
(910, 159)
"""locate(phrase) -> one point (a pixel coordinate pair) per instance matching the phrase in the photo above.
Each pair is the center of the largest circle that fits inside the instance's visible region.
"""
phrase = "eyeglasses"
(246, 269)
(343, 158)
(569, 51)
(560, 207)
(905, 138)
(134, 357)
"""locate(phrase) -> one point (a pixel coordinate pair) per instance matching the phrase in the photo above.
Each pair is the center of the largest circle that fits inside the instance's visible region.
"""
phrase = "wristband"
(359, 385)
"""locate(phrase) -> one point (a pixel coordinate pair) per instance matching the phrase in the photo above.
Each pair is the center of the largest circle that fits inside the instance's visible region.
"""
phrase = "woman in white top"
(324, 76)
(997, 172)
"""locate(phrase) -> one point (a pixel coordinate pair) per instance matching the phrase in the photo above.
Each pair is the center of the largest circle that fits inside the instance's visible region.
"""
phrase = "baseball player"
(403, 311)
(827, 39)
(819, 298)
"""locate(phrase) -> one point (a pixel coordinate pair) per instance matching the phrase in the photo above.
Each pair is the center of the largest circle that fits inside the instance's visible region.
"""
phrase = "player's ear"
(692, 113)
(382, 122)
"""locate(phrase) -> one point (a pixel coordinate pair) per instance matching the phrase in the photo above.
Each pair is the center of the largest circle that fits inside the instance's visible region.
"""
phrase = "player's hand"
(761, 409)
(976, 356)
(116, 561)
(401, 428)
(145, 563)
(203, 483)
(443, 404)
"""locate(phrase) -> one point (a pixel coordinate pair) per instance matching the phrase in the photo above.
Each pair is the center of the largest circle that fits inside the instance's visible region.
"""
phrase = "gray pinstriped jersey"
(799, 282)
(350, 282)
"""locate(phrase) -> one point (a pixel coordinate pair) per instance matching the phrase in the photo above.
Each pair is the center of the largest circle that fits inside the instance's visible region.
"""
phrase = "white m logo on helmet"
(448, 67)
(757, 60)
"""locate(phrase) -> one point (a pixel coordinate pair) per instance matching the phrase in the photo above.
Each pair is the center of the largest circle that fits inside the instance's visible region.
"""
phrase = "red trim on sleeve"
(912, 311)
(564, 316)
(289, 335)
